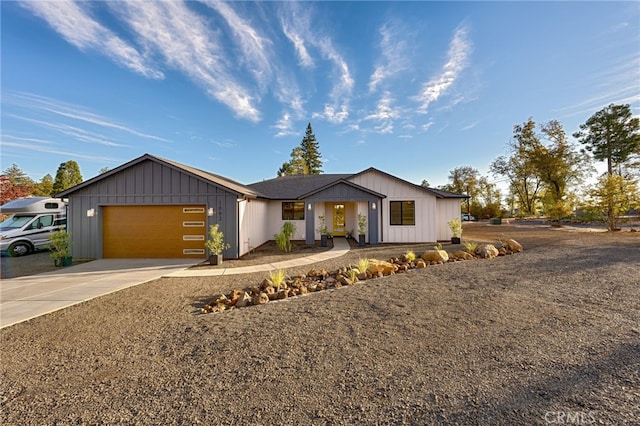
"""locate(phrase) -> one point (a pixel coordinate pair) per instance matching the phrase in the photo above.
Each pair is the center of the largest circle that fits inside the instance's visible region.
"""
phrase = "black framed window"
(402, 212)
(293, 210)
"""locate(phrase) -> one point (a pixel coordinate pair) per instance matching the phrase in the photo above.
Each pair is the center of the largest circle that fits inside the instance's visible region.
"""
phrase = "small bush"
(470, 246)
(277, 277)
(283, 239)
(410, 256)
(352, 274)
(363, 265)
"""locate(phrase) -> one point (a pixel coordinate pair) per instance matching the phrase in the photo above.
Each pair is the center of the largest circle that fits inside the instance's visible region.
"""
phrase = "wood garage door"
(153, 231)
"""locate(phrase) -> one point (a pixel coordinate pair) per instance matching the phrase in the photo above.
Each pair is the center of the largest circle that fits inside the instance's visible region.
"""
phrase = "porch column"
(375, 210)
(309, 221)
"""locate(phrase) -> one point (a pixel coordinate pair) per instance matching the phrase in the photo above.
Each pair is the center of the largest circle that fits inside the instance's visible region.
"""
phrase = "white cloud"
(74, 24)
(393, 57)
(186, 43)
(457, 61)
(37, 104)
(304, 58)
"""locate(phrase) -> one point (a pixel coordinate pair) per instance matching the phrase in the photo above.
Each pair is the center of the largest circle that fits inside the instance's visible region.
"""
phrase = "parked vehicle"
(467, 217)
(33, 221)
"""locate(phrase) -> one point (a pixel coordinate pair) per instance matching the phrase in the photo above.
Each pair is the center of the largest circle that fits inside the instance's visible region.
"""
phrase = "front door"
(339, 225)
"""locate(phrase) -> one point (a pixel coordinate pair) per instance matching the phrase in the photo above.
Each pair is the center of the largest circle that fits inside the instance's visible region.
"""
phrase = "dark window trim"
(294, 210)
(402, 213)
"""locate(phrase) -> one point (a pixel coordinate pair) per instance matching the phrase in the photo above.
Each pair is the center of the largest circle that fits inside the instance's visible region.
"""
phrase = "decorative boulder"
(380, 266)
(420, 263)
(487, 251)
(435, 256)
(460, 254)
(244, 300)
(512, 245)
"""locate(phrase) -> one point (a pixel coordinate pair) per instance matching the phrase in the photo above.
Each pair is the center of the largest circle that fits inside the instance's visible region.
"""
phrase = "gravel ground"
(540, 337)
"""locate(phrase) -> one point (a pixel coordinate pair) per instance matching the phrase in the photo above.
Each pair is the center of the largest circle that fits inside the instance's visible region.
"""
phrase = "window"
(402, 212)
(293, 210)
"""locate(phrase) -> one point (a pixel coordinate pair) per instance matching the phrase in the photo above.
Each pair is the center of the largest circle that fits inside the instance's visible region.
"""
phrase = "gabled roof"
(439, 193)
(293, 187)
(229, 184)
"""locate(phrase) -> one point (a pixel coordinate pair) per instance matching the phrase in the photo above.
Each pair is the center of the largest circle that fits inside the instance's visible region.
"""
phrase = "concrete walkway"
(28, 297)
(340, 248)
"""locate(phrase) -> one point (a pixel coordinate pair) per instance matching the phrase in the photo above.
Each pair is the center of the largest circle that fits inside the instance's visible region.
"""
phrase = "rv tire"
(19, 249)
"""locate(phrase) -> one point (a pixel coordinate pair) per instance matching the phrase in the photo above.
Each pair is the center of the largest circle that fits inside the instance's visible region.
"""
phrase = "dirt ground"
(547, 336)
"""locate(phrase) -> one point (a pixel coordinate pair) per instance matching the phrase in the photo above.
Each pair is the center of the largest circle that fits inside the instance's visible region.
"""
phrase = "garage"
(154, 231)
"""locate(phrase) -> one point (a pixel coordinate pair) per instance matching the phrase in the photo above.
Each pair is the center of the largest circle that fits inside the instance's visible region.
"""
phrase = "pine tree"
(45, 187)
(311, 152)
(68, 175)
(305, 158)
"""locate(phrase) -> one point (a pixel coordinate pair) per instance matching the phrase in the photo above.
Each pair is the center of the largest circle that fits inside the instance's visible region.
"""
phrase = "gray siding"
(147, 183)
(342, 192)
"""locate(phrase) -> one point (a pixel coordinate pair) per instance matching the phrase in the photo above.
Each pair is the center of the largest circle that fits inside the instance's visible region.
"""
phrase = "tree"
(14, 184)
(68, 175)
(519, 169)
(559, 166)
(611, 134)
(45, 187)
(305, 158)
(614, 195)
(425, 183)
(464, 180)
(311, 152)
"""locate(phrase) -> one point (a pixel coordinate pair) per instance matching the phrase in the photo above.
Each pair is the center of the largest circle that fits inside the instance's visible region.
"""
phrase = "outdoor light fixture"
(309, 206)
(210, 212)
(91, 212)
(373, 206)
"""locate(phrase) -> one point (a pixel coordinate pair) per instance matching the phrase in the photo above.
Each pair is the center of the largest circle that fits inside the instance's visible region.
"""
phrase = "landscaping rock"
(435, 256)
(487, 251)
(460, 254)
(512, 245)
(244, 300)
(381, 267)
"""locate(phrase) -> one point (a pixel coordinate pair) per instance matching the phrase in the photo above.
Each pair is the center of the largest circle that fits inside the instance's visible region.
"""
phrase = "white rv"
(33, 221)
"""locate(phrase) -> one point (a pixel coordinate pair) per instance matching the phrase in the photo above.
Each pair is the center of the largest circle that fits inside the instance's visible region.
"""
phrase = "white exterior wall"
(254, 224)
(275, 222)
(425, 206)
(448, 209)
(319, 210)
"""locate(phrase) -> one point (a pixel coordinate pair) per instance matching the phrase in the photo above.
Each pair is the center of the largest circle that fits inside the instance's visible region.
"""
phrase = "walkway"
(28, 297)
(340, 248)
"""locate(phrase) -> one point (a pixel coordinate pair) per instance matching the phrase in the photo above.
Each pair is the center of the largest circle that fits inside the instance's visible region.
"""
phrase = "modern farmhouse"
(152, 207)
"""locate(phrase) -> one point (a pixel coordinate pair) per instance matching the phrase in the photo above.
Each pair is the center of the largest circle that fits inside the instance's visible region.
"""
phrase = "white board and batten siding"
(254, 224)
(424, 229)
(448, 209)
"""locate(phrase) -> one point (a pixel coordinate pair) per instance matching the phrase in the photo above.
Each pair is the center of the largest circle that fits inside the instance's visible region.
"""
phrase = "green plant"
(352, 274)
(322, 226)
(277, 277)
(362, 224)
(438, 246)
(283, 239)
(410, 256)
(363, 265)
(470, 246)
(215, 244)
(456, 227)
(60, 246)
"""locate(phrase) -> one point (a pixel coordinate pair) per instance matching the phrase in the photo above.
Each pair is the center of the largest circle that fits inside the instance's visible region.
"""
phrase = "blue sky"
(412, 88)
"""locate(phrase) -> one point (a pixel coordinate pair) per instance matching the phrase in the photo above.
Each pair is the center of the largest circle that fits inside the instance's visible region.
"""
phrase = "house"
(154, 207)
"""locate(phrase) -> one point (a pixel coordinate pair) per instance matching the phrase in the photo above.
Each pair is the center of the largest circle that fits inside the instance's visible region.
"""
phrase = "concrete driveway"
(27, 297)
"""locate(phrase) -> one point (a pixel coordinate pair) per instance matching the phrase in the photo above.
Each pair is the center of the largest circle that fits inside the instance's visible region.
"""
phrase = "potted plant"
(322, 229)
(60, 247)
(456, 228)
(216, 245)
(362, 228)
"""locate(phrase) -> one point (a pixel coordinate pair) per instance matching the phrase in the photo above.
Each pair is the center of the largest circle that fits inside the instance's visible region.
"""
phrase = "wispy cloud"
(73, 22)
(393, 57)
(184, 40)
(37, 104)
(457, 61)
(385, 114)
(74, 132)
(18, 143)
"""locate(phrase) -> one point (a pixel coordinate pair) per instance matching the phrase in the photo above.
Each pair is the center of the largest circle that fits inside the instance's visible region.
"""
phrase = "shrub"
(283, 239)
(352, 274)
(363, 265)
(470, 246)
(277, 277)
(410, 256)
